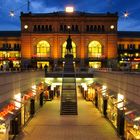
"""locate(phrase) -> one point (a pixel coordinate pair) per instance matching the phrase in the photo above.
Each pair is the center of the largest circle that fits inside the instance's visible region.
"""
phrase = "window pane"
(94, 49)
(43, 49)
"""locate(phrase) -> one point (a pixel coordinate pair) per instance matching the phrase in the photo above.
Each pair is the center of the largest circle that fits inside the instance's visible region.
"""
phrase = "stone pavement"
(87, 125)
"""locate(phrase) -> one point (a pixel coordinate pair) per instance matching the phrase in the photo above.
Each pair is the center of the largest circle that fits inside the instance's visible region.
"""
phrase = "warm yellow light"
(17, 98)
(68, 27)
(69, 9)
(112, 27)
(3, 128)
(137, 119)
(53, 86)
(95, 66)
(104, 87)
(125, 54)
(34, 87)
(84, 85)
(137, 54)
(120, 100)
(25, 26)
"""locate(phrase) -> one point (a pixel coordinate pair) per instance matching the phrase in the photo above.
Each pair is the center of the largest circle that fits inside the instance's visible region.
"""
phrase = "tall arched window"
(43, 49)
(64, 51)
(94, 49)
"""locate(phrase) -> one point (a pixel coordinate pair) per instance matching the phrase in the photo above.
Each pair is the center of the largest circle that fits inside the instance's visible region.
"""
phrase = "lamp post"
(28, 6)
(13, 12)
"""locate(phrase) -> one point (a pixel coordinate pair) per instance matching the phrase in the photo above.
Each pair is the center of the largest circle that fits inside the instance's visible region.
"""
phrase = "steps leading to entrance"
(69, 95)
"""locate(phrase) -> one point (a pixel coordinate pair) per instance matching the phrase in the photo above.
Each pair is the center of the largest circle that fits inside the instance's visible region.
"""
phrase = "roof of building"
(128, 34)
(75, 13)
(10, 33)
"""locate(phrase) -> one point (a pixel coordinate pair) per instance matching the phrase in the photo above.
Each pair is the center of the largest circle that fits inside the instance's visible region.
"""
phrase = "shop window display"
(112, 110)
(132, 126)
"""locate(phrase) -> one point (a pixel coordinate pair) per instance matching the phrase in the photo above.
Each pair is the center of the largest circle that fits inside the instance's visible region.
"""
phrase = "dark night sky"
(131, 23)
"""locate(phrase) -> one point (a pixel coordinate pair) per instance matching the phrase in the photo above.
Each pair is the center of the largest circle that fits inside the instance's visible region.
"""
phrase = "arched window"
(64, 51)
(43, 49)
(94, 49)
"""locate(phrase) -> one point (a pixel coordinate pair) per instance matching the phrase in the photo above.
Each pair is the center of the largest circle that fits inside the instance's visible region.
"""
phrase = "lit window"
(94, 49)
(43, 49)
(64, 50)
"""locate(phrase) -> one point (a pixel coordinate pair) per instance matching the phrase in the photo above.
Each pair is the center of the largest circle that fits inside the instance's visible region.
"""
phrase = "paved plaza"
(89, 124)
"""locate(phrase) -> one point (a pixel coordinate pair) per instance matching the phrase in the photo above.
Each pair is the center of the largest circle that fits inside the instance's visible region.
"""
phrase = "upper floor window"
(42, 28)
(120, 46)
(61, 27)
(76, 28)
(131, 46)
(87, 28)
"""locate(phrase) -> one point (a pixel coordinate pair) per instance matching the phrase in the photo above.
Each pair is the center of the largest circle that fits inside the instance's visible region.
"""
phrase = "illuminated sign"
(7, 109)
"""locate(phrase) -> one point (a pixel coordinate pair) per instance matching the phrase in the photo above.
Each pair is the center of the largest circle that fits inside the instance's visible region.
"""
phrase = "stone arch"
(95, 49)
(43, 49)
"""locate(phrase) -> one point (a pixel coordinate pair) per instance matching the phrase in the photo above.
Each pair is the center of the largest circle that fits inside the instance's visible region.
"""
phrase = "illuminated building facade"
(42, 40)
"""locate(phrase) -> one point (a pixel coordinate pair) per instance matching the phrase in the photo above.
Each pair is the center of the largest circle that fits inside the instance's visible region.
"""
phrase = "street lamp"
(125, 14)
(12, 12)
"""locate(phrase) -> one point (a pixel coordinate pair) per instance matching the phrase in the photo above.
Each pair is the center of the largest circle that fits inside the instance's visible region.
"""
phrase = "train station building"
(73, 83)
(96, 41)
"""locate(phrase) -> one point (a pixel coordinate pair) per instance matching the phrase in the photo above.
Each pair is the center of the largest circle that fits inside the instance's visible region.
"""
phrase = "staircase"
(69, 94)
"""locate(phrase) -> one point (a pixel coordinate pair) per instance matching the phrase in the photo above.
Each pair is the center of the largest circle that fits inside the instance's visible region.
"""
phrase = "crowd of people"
(9, 66)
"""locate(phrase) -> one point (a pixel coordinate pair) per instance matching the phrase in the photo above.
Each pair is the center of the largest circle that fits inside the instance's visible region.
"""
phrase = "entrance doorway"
(41, 64)
(95, 65)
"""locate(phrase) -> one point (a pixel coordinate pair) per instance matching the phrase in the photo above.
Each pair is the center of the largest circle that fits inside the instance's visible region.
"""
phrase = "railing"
(75, 89)
(62, 90)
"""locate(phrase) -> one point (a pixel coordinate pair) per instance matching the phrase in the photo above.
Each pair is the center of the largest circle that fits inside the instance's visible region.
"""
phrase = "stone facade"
(84, 29)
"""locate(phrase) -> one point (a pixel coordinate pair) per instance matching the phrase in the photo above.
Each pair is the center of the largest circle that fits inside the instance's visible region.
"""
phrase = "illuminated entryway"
(42, 52)
(41, 64)
(95, 65)
(95, 49)
(43, 49)
(10, 56)
(64, 50)
(95, 52)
